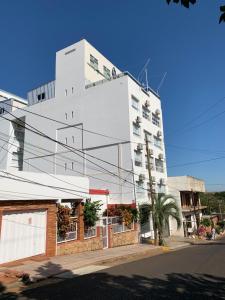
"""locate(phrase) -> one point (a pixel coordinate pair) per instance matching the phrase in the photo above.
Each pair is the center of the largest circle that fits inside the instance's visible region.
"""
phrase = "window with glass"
(161, 189)
(136, 129)
(145, 113)
(106, 72)
(137, 158)
(155, 120)
(94, 62)
(159, 165)
(151, 162)
(148, 136)
(135, 102)
(157, 142)
(140, 188)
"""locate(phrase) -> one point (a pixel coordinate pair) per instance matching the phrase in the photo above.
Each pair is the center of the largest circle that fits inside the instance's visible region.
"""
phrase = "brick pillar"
(51, 242)
(80, 224)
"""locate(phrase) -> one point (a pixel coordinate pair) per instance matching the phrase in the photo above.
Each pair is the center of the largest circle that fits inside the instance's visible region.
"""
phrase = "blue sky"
(187, 44)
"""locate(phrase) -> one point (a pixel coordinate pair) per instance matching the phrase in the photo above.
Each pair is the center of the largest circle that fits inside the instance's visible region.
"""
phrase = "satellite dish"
(113, 73)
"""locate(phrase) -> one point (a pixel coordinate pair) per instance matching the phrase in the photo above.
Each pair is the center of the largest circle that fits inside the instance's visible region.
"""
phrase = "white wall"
(65, 187)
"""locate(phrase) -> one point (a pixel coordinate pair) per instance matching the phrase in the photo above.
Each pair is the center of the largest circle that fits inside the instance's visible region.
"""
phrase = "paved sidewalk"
(39, 270)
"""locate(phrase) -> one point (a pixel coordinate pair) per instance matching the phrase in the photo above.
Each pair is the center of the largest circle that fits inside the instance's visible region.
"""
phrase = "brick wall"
(83, 245)
(50, 206)
(123, 238)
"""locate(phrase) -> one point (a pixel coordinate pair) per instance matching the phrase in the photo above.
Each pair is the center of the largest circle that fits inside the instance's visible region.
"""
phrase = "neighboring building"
(91, 95)
(28, 212)
(186, 190)
(12, 136)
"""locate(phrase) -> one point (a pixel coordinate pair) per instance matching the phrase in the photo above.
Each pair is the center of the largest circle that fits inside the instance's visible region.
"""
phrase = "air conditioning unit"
(151, 152)
(147, 103)
(160, 156)
(139, 147)
(138, 120)
(157, 112)
(141, 177)
(159, 133)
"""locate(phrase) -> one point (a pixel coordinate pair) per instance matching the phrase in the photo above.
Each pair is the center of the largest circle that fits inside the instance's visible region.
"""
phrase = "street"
(197, 272)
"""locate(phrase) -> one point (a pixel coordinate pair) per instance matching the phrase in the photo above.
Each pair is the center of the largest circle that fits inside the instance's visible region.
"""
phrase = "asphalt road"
(197, 272)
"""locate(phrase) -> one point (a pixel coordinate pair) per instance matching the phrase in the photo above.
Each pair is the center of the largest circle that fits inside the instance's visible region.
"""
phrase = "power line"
(74, 150)
(22, 179)
(67, 124)
(197, 162)
(77, 150)
(198, 116)
(29, 164)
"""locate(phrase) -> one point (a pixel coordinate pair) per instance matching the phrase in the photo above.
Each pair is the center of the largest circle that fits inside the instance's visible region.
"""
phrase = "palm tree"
(164, 207)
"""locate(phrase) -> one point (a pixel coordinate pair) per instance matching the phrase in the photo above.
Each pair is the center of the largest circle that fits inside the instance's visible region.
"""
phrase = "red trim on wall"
(98, 192)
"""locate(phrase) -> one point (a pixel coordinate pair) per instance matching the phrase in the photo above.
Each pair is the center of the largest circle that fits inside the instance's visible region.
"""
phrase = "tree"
(91, 210)
(186, 3)
(165, 207)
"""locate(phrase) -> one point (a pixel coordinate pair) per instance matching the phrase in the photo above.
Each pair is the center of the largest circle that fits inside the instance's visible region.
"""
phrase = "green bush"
(206, 222)
(218, 229)
(221, 224)
(91, 210)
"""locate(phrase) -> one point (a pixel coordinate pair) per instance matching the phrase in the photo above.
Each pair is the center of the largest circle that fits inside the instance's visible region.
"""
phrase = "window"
(106, 72)
(72, 89)
(159, 165)
(72, 165)
(2, 110)
(39, 97)
(65, 166)
(72, 114)
(161, 189)
(157, 142)
(73, 139)
(135, 103)
(136, 129)
(155, 120)
(94, 62)
(138, 158)
(65, 92)
(140, 188)
(145, 113)
(66, 116)
(66, 141)
(151, 162)
(148, 136)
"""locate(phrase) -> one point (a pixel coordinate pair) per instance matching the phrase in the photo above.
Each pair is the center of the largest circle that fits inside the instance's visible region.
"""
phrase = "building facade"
(186, 190)
(97, 118)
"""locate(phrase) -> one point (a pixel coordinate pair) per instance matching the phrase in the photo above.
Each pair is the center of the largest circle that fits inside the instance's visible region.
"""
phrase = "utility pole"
(152, 193)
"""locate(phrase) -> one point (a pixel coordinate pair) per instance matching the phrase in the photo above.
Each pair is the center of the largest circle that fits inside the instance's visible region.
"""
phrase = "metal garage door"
(23, 234)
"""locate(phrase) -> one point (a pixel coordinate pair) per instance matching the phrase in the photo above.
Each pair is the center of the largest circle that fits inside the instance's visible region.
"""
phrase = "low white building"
(186, 189)
(28, 211)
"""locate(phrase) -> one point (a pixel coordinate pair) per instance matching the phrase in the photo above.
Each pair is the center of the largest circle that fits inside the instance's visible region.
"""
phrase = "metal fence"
(89, 232)
(70, 235)
(118, 225)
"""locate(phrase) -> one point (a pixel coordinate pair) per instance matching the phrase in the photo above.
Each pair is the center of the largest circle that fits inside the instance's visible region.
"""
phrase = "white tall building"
(102, 115)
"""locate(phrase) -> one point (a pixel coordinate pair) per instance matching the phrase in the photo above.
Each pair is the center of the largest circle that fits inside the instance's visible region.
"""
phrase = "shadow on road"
(108, 286)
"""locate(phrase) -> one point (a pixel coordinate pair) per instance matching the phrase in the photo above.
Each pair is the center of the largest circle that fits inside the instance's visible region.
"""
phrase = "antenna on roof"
(144, 69)
(161, 82)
